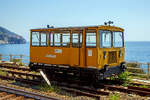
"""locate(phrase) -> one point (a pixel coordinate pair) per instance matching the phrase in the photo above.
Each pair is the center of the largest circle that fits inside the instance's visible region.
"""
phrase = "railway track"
(129, 89)
(5, 96)
(18, 76)
(14, 66)
(79, 90)
(14, 69)
(26, 81)
(14, 72)
(18, 94)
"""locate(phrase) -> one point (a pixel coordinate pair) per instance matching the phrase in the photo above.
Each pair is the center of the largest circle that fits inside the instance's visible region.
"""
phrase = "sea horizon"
(135, 51)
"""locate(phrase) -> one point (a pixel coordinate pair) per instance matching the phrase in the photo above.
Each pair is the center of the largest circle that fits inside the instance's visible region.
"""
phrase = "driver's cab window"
(106, 38)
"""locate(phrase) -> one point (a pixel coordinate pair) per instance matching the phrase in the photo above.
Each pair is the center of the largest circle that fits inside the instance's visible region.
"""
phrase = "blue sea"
(134, 51)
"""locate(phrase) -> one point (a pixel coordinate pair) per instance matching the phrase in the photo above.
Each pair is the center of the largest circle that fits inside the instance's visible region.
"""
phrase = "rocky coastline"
(8, 37)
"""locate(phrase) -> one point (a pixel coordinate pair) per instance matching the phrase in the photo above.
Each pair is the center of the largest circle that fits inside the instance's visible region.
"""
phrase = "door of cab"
(76, 48)
(90, 48)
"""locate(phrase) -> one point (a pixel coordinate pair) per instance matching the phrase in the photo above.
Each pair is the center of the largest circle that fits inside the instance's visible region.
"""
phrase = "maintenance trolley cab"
(93, 52)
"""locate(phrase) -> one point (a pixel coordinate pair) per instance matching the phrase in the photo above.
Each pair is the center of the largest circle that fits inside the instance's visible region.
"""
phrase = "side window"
(35, 39)
(76, 40)
(61, 39)
(91, 39)
(57, 39)
(66, 39)
(44, 39)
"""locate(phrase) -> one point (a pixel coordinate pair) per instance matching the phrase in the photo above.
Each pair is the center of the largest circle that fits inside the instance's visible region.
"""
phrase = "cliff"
(8, 37)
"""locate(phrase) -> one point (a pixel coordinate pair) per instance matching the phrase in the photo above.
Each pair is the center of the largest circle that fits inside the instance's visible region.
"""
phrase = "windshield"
(117, 39)
(107, 39)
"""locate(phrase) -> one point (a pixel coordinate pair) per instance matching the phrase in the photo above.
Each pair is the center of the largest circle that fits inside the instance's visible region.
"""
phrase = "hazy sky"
(22, 15)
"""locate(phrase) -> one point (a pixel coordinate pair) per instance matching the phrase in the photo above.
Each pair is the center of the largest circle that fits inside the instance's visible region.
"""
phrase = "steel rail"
(79, 92)
(26, 93)
(139, 88)
(94, 91)
(21, 73)
(13, 67)
(27, 81)
(130, 89)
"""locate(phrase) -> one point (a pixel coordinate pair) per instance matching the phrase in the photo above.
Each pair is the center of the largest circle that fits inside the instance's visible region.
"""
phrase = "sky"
(20, 16)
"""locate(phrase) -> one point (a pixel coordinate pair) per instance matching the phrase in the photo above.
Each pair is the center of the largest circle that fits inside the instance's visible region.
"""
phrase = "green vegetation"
(17, 61)
(3, 73)
(114, 97)
(21, 64)
(47, 88)
(143, 86)
(123, 77)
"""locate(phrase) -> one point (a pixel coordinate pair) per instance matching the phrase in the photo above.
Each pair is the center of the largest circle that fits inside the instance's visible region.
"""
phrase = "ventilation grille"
(112, 57)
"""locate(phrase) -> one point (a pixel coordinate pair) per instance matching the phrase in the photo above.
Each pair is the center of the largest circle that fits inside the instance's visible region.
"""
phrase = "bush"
(3, 73)
(114, 96)
(124, 77)
(143, 86)
(16, 60)
(47, 88)
(21, 64)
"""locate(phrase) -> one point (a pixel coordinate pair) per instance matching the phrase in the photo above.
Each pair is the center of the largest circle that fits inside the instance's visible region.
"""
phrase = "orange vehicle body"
(80, 56)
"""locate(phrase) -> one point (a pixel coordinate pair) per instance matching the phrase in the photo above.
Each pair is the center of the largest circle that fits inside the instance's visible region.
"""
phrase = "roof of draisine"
(107, 27)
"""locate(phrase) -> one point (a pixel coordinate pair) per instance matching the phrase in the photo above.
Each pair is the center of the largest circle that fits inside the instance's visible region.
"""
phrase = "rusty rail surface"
(130, 89)
(13, 67)
(78, 92)
(21, 73)
(85, 91)
(90, 90)
(27, 81)
(81, 90)
(74, 89)
(26, 93)
(21, 76)
(5, 96)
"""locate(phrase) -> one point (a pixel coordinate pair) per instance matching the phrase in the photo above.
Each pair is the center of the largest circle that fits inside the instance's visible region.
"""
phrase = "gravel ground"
(70, 96)
(63, 95)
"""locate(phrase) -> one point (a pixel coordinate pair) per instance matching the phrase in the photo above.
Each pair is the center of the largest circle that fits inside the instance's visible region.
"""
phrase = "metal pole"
(45, 77)
(10, 58)
(0, 56)
(148, 70)
(21, 58)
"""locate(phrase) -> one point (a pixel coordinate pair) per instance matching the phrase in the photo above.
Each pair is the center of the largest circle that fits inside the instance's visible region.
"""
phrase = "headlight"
(120, 53)
(104, 54)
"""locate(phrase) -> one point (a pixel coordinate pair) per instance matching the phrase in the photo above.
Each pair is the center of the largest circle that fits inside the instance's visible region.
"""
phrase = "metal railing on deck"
(139, 69)
(15, 58)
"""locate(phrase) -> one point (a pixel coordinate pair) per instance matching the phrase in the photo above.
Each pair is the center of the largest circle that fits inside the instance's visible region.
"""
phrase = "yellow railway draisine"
(94, 51)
